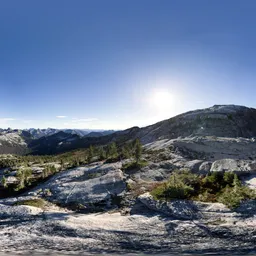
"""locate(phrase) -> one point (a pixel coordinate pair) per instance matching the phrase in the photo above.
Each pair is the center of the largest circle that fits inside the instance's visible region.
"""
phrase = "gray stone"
(85, 185)
(18, 211)
(181, 209)
(232, 165)
(205, 168)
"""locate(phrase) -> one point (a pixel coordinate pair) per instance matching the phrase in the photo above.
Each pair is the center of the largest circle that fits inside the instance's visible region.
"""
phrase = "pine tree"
(236, 181)
(102, 153)
(112, 150)
(138, 151)
(90, 154)
(62, 164)
(125, 152)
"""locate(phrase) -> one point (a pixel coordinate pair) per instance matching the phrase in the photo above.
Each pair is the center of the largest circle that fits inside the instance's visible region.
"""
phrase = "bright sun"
(162, 100)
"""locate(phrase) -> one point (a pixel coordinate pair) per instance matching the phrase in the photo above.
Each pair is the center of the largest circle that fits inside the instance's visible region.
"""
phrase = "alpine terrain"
(182, 185)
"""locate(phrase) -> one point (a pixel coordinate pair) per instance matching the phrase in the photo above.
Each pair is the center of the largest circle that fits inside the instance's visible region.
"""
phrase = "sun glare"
(162, 100)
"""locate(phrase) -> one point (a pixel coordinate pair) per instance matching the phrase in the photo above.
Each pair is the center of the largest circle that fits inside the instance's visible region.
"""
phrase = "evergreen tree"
(125, 152)
(62, 164)
(90, 154)
(236, 181)
(138, 150)
(112, 150)
(102, 153)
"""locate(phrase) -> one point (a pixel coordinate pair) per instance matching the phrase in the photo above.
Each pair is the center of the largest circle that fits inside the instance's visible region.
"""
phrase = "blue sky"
(115, 64)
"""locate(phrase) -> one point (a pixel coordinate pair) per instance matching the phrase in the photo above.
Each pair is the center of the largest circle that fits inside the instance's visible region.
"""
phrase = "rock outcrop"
(221, 231)
(236, 166)
(131, 220)
(85, 186)
(19, 211)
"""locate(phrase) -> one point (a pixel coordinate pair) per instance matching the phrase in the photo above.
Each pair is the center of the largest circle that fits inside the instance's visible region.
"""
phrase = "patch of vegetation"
(138, 188)
(215, 187)
(93, 175)
(39, 203)
(48, 170)
(156, 155)
(23, 176)
(233, 196)
(8, 162)
(134, 165)
(28, 167)
(4, 182)
(181, 185)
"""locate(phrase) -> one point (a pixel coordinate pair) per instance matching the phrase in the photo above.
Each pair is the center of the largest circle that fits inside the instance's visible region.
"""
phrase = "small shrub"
(39, 203)
(206, 197)
(233, 196)
(181, 185)
(4, 182)
(167, 192)
(48, 170)
(23, 176)
(111, 160)
(228, 177)
(134, 165)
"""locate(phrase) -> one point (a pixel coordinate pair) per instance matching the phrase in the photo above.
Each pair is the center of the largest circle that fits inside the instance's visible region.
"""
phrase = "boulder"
(236, 166)
(205, 168)
(193, 165)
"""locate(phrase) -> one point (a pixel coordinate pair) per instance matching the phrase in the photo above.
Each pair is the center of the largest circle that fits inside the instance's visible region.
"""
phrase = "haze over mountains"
(220, 120)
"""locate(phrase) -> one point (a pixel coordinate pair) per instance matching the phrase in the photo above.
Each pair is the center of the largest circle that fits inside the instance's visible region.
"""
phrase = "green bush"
(23, 176)
(206, 197)
(228, 177)
(181, 185)
(169, 191)
(4, 182)
(216, 187)
(8, 162)
(48, 170)
(233, 196)
(134, 165)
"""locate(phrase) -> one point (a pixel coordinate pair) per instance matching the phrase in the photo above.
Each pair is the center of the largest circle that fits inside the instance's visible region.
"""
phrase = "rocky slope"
(62, 231)
(14, 142)
(102, 207)
(131, 221)
(220, 120)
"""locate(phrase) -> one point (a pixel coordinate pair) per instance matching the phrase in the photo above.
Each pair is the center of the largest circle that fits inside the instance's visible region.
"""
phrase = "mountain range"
(218, 120)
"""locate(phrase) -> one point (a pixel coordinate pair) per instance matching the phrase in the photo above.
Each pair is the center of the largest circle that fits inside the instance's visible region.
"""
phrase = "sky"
(114, 64)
